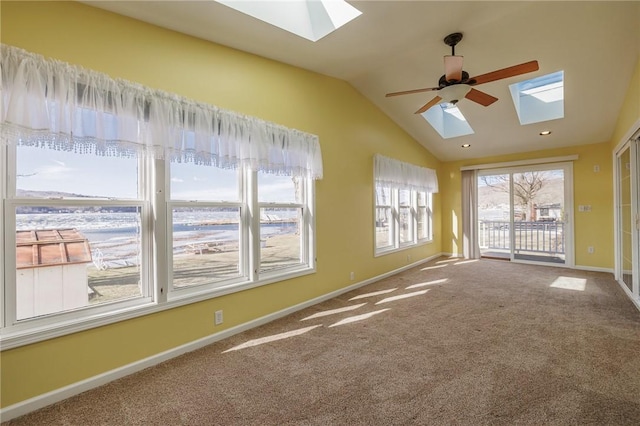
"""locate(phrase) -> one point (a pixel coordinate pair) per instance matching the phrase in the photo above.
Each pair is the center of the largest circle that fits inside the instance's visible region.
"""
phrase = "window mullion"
(9, 238)
(251, 223)
(3, 195)
(308, 214)
(395, 197)
(414, 215)
(429, 201)
(156, 189)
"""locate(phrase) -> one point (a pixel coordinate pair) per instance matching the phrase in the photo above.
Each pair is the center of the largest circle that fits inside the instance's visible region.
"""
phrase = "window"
(406, 215)
(311, 20)
(447, 119)
(403, 204)
(207, 225)
(112, 215)
(385, 224)
(82, 230)
(424, 216)
(405, 220)
(76, 231)
(540, 98)
(283, 241)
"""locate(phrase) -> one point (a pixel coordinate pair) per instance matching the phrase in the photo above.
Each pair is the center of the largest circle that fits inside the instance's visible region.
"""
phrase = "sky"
(41, 169)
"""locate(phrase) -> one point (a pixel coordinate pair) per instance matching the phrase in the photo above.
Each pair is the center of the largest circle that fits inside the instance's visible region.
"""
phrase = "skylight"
(448, 120)
(310, 19)
(539, 99)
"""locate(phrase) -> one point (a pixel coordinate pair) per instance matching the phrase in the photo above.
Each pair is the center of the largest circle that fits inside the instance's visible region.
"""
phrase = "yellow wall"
(594, 228)
(630, 111)
(351, 131)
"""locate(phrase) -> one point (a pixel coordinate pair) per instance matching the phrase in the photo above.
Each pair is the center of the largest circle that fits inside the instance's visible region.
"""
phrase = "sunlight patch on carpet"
(358, 318)
(443, 280)
(402, 296)
(275, 337)
(570, 283)
(455, 259)
(433, 267)
(466, 261)
(375, 293)
(333, 311)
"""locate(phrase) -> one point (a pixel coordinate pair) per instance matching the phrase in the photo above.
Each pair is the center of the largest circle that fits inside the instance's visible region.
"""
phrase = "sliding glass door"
(494, 214)
(523, 214)
(627, 217)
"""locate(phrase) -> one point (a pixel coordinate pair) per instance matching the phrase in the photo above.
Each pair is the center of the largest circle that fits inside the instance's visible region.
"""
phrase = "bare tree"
(525, 188)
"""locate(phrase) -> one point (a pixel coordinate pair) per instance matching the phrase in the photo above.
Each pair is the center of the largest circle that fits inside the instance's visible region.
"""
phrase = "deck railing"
(539, 237)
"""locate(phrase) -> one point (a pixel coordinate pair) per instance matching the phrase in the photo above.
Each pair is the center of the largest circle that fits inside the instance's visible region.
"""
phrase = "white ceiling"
(397, 45)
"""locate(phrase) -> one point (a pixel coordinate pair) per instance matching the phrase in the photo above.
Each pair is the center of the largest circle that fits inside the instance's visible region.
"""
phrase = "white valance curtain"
(50, 103)
(396, 174)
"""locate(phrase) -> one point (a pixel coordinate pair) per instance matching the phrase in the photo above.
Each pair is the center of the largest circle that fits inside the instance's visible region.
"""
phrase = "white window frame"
(156, 228)
(307, 227)
(3, 196)
(428, 218)
(395, 227)
(243, 240)
(377, 206)
(46, 322)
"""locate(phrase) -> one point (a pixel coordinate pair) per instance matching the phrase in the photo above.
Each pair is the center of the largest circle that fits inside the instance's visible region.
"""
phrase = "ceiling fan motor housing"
(443, 82)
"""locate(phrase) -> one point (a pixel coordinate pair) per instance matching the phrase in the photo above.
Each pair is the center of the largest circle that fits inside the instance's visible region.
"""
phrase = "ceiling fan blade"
(409, 92)
(505, 73)
(453, 67)
(428, 105)
(481, 98)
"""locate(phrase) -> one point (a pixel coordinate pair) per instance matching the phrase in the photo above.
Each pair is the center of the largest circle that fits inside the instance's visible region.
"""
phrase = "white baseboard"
(40, 401)
(593, 268)
(452, 255)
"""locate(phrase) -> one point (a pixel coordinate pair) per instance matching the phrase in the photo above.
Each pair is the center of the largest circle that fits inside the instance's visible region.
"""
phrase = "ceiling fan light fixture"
(452, 94)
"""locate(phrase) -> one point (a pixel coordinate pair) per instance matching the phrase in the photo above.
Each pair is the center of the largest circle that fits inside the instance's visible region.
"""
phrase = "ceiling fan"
(456, 84)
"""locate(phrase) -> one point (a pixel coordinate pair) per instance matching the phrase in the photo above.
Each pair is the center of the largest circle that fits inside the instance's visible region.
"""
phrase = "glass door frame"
(633, 145)
(568, 242)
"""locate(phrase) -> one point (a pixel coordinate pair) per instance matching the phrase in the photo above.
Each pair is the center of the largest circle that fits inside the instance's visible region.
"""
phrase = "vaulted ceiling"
(398, 45)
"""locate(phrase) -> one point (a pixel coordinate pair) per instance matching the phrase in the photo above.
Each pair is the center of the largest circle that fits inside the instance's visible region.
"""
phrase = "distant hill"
(53, 195)
(22, 193)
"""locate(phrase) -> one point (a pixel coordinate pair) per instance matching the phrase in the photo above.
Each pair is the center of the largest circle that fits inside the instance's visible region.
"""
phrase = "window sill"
(21, 335)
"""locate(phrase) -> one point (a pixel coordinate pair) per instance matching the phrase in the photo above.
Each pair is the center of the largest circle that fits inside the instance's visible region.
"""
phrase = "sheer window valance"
(50, 103)
(396, 174)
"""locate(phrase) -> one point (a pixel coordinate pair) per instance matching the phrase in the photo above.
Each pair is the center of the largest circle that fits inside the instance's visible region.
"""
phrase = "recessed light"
(545, 132)
(466, 145)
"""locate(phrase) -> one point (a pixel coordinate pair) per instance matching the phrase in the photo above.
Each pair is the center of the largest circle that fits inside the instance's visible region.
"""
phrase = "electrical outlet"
(590, 249)
(352, 276)
(596, 168)
(408, 258)
(218, 318)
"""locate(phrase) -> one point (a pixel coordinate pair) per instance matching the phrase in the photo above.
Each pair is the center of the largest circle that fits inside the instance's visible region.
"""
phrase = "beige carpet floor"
(450, 342)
